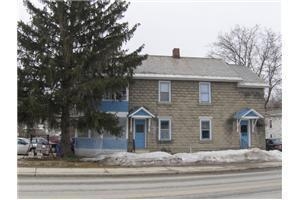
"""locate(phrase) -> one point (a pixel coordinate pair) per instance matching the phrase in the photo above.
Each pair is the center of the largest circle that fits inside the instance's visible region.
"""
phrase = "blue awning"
(141, 112)
(247, 113)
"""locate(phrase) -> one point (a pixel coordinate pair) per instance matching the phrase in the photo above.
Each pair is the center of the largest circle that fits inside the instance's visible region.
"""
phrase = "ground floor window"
(205, 128)
(164, 129)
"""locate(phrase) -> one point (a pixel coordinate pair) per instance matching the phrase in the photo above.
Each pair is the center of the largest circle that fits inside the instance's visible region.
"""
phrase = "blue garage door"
(140, 133)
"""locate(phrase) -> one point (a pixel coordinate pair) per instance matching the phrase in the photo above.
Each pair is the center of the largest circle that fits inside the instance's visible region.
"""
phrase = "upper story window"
(205, 129)
(204, 93)
(164, 91)
(164, 129)
(121, 95)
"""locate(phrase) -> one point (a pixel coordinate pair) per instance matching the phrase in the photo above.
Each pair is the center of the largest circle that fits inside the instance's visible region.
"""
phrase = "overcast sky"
(191, 25)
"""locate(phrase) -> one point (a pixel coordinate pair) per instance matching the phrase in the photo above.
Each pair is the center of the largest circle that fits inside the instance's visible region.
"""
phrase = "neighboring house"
(184, 104)
(273, 123)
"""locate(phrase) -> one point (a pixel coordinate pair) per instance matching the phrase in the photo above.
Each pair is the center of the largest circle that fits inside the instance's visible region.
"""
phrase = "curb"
(137, 171)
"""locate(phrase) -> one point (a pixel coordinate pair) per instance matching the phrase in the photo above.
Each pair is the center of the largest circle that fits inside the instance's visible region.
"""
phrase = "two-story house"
(183, 104)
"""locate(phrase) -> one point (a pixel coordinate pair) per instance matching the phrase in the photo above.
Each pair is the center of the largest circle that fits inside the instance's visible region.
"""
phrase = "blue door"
(244, 139)
(140, 133)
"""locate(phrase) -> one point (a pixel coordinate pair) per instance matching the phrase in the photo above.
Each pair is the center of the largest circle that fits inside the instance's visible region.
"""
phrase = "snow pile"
(132, 159)
(203, 157)
(230, 156)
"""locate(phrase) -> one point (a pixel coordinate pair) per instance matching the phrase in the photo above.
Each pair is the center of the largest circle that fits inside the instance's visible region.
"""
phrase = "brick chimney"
(176, 53)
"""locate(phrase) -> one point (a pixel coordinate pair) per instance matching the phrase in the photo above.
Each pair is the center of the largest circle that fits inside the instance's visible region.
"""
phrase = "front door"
(244, 138)
(140, 134)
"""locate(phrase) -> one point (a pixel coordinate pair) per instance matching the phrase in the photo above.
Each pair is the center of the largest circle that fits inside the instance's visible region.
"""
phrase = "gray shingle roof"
(249, 77)
(191, 68)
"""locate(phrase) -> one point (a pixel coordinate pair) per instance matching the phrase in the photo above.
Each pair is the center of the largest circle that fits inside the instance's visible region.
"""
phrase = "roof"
(247, 113)
(249, 77)
(194, 68)
(205, 68)
(140, 112)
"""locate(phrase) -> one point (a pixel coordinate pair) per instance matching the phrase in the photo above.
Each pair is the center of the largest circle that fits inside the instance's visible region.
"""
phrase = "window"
(120, 95)
(205, 129)
(164, 129)
(204, 92)
(164, 91)
(270, 121)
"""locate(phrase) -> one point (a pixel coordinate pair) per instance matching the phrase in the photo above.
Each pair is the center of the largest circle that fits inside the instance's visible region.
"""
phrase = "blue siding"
(88, 143)
(107, 143)
(114, 106)
(114, 143)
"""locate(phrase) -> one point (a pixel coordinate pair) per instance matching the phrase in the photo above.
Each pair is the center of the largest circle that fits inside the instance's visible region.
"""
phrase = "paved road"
(248, 184)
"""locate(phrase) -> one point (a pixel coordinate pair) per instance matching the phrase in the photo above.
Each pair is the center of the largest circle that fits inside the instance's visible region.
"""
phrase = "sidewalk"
(122, 171)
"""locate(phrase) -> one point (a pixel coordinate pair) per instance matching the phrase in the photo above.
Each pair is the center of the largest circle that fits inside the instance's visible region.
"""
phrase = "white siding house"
(273, 122)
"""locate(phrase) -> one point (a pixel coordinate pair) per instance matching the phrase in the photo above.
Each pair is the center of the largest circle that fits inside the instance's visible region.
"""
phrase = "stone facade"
(185, 110)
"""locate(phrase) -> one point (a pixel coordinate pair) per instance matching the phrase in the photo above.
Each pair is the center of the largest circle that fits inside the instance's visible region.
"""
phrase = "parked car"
(23, 146)
(40, 144)
(273, 144)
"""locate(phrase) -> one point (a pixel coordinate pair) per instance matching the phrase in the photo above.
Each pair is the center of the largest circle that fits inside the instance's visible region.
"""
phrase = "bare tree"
(257, 49)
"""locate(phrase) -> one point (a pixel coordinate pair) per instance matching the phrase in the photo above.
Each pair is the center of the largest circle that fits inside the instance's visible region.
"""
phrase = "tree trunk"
(268, 96)
(65, 132)
(66, 83)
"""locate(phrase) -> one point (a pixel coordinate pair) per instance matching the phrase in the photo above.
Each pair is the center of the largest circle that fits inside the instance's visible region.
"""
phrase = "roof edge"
(252, 85)
(186, 77)
(185, 57)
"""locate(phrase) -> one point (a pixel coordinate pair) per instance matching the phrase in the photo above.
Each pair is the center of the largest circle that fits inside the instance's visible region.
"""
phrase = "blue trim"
(114, 106)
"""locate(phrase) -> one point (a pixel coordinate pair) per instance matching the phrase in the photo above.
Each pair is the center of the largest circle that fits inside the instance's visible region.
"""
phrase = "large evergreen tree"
(69, 55)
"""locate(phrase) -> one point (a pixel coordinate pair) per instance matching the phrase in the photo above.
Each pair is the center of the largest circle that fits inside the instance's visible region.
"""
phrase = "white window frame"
(159, 128)
(209, 93)
(170, 95)
(210, 128)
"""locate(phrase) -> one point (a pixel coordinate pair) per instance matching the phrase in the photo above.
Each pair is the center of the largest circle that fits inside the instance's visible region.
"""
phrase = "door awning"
(140, 113)
(247, 113)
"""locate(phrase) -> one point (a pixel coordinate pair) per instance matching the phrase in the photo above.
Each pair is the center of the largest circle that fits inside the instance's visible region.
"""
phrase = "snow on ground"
(229, 156)
(203, 157)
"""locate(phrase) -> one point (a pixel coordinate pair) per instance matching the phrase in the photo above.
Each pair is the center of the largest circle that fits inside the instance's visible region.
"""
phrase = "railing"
(114, 106)
(105, 143)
